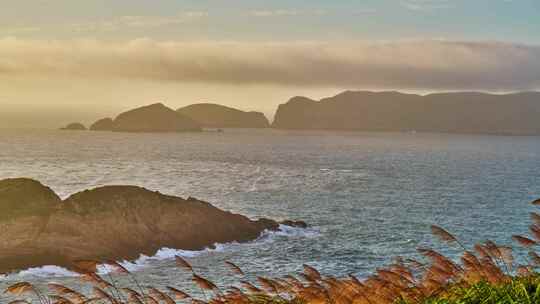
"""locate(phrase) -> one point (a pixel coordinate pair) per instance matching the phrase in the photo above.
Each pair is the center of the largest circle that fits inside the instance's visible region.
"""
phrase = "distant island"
(159, 118)
(151, 118)
(211, 115)
(464, 112)
(74, 126)
(109, 223)
(105, 124)
(459, 112)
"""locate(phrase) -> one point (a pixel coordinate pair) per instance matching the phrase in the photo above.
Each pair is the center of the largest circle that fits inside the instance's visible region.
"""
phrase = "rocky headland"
(37, 228)
(459, 112)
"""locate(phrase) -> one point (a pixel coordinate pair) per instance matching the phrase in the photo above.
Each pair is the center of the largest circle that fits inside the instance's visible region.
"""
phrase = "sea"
(367, 197)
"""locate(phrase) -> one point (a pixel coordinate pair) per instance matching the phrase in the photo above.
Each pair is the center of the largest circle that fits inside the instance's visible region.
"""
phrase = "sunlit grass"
(525, 290)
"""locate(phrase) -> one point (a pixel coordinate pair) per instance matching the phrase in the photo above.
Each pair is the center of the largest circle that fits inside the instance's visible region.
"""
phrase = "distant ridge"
(462, 112)
(211, 115)
(151, 118)
(105, 124)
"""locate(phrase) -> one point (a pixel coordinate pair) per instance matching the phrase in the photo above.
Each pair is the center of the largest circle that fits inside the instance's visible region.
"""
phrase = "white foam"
(297, 231)
(288, 231)
(47, 271)
(170, 253)
(144, 260)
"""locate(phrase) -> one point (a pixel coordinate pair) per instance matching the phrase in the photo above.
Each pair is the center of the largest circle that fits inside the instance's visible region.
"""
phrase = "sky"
(63, 60)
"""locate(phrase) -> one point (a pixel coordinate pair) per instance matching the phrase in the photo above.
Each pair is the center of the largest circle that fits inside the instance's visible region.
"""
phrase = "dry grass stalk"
(235, 268)
(204, 283)
(535, 217)
(20, 288)
(149, 300)
(178, 294)
(311, 273)
(182, 263)
(535, 230)
(117, 268)
(250, 287)
(524, 241)
(59, 300)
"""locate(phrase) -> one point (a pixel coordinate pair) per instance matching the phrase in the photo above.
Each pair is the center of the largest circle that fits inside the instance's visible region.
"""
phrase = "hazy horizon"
(93, 59)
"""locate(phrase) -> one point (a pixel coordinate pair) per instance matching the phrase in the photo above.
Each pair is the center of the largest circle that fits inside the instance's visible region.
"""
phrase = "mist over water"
(367, 196)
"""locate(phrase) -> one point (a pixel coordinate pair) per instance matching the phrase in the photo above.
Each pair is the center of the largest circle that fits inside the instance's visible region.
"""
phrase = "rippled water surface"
(367, 196)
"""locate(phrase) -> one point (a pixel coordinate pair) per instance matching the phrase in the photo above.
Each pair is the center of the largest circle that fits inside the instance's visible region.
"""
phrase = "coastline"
(164, 254)
(110, 223)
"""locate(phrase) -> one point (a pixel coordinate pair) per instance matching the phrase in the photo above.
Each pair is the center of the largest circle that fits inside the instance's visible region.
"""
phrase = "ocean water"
(368, 197)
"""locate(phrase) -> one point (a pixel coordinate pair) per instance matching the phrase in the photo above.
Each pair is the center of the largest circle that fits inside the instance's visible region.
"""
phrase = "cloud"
(286, 13)
(20, 29)
(426, 5)
(273, 13)
(427, 64)
(145, 22)
(365, 11)
(112, 24)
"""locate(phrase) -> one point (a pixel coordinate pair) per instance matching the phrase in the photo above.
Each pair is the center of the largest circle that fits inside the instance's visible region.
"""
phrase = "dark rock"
(299, 224)
(75, 126)
(397, 112)
(217, 116)
(105, 124)
(112, 222)
(154, 118)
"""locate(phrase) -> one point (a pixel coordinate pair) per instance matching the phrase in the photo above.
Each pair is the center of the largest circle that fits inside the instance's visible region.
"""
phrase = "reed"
(485, 273)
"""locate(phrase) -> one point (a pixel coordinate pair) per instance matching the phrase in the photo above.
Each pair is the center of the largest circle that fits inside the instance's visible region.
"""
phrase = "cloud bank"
(425, 65)
(427, 5)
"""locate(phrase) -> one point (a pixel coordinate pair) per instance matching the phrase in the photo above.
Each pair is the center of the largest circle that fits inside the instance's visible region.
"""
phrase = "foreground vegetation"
(518, 290)
(486, 273)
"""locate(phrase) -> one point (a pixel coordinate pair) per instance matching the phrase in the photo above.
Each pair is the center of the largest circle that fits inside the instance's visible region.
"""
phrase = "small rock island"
(109, 223)
(74, 126)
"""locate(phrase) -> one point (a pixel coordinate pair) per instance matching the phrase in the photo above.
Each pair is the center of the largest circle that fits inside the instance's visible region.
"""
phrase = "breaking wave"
(51, 271)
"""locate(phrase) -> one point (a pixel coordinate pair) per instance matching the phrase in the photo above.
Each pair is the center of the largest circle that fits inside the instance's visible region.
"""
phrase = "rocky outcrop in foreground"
(152, 118)
(465, 112)
(217, 116)
(108, 223)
